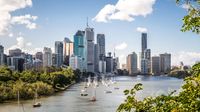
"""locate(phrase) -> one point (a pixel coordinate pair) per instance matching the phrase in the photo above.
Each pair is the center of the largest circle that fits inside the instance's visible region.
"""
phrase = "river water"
(71, 101)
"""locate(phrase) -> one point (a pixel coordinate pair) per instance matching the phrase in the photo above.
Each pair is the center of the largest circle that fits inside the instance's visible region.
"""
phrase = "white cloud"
(25, 20)
(105, 13)
(6, 8)
(122, 59)
(188, 58)
(121, 46)
(125, 10)
(29, 44)
(141, 29)
(10, 34)
(22, 44)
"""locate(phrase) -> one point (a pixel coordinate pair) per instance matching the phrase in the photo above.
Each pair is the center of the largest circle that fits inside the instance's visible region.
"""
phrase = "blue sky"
(56, 19)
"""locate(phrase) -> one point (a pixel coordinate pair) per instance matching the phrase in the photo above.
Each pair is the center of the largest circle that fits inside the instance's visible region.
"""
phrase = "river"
(71, 101)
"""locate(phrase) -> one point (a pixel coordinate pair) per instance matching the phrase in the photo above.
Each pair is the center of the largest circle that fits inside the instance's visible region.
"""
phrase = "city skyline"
(164, 33)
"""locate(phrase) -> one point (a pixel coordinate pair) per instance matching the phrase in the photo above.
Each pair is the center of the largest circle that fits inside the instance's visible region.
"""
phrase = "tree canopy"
(191, 22)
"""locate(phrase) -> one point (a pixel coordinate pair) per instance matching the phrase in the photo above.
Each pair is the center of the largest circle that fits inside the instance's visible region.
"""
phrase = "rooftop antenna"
(114, 52)
(87, 22)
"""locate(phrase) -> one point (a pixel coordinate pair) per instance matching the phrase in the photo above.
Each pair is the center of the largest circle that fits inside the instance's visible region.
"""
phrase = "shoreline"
(44, 96)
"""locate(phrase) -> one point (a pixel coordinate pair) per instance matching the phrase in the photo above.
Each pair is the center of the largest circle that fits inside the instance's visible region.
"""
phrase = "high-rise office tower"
(165, 63)
(155, 65)
(89, 34)
(68, 49)
(59, 53)
(1, 55)
(101, 43)
(54, 59)
(109, 63)
(80, 47)
(144, 43)
(39, 55)
(116, 64)
(76, 62)
(47, 57)
(145, 58)
(144, 66)
(96, 57)
(147, 55)
(132, 63)
(15, 52)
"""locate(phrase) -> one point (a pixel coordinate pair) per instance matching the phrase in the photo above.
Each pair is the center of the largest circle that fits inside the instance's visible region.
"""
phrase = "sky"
(33, 24)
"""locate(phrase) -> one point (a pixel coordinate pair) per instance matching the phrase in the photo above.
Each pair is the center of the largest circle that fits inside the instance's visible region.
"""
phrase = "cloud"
(10, 35)
(188, 58)
(105, 13)
(22, 44)
(29, 44)
(121, 46)
(125, 10)
(6, 8)
(141, 29)
(25, 20)
(122, 59)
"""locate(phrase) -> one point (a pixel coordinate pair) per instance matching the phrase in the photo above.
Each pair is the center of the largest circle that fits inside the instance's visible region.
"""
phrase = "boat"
(36, 103)
(116, 88)
(93, 98)
(84, 92)
(108, 91)
(18, 102)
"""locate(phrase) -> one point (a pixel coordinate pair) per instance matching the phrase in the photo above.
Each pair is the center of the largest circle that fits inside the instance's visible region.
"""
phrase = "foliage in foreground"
(45, 82)
(188, 100)
(191, 22)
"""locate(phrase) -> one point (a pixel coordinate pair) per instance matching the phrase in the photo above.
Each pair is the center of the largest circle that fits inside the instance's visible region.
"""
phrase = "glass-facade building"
(80, 47)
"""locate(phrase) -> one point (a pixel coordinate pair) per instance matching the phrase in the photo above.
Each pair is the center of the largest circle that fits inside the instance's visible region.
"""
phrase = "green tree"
(191, 22)
(185, 101)
(5, 74)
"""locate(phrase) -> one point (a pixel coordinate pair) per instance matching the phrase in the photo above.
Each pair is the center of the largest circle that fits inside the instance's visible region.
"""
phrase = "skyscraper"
(39, 55)
(80, 47)
(68, 49)
(101, 43)
(145, 58)
(109, 63)
(147, 55)
(96, 57)
(144, 43)
(47, 57)
(89, 34)
(155, 65)
(15, 52)
(1, 55)
(144, 66)
(165, 63)
(59, 53)
(132, 63)
(76, 62)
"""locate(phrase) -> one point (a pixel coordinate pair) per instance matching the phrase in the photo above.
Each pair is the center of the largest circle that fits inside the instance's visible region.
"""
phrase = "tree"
(191, 22)
(185, 101)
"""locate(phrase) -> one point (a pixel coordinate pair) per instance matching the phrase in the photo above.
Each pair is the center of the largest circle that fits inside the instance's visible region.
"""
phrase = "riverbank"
(29, 83)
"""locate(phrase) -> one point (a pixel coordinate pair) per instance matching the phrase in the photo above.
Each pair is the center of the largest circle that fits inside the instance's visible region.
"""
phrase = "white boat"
(108, 91)
(18, 102)
(93, 98)
(84, 92)
(116, 88)
(36, 103)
